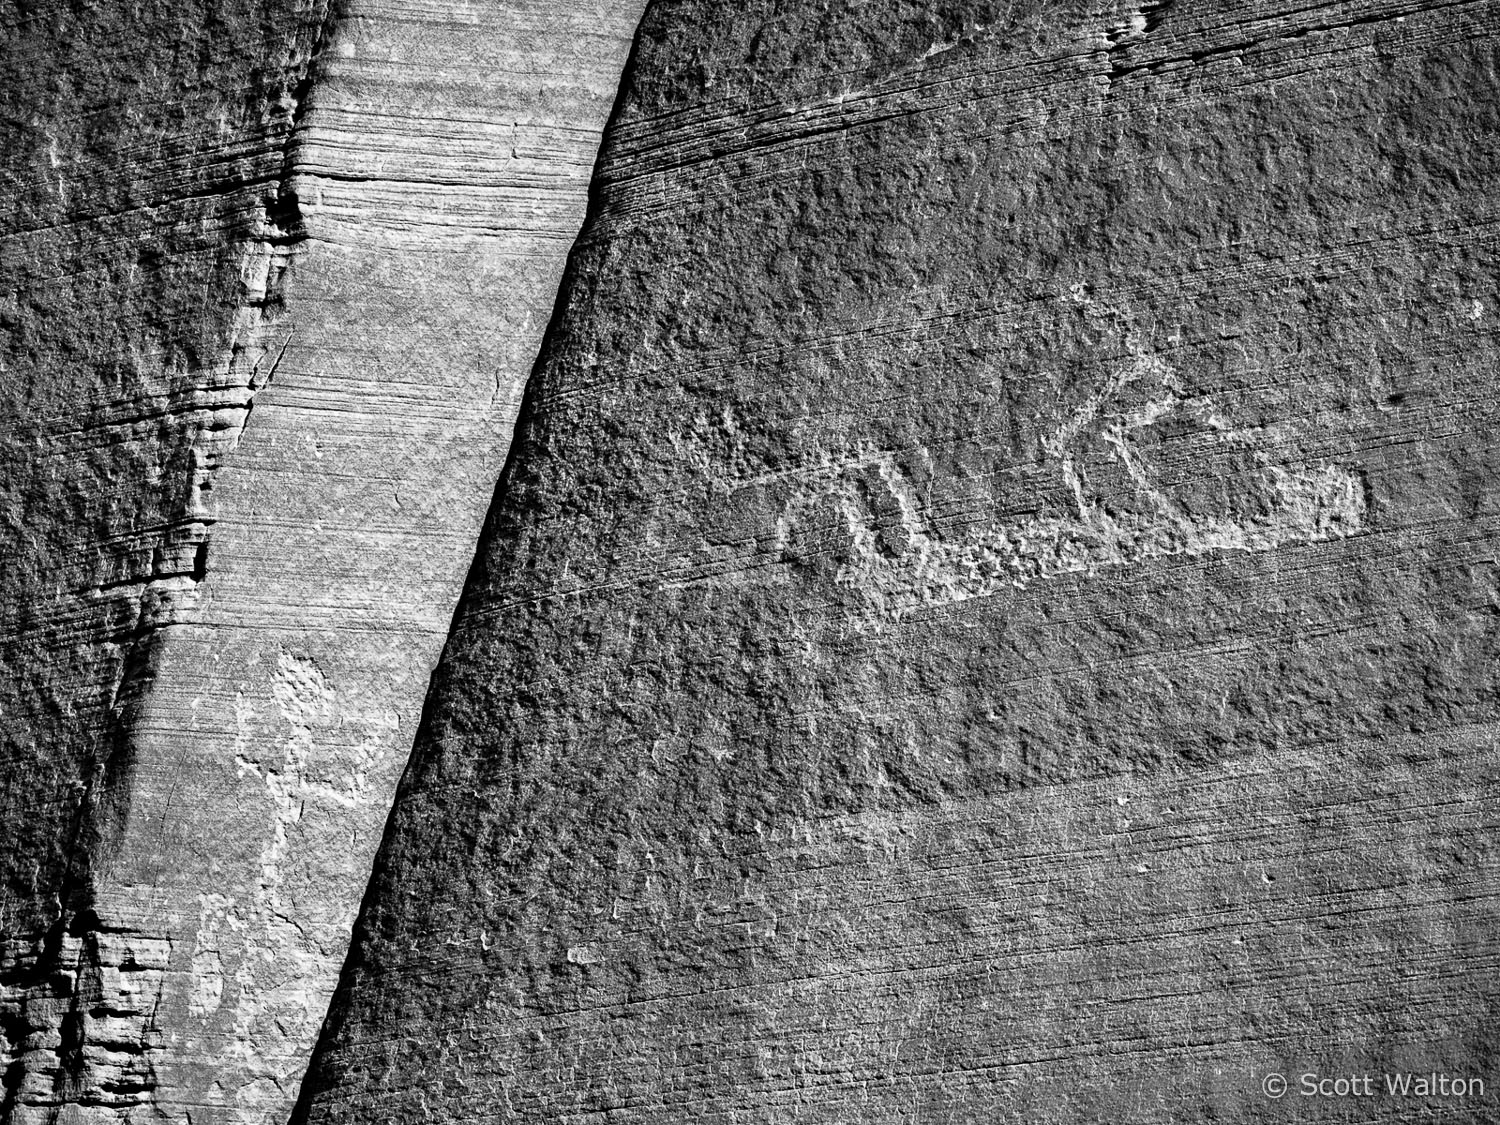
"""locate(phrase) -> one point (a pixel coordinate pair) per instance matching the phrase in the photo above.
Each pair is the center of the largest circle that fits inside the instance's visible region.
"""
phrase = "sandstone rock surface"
(143, 157)
(991, 612)
(274, 280)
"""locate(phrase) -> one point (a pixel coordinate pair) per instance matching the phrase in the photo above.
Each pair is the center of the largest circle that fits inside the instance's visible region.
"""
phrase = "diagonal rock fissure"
(270, 653)
(955, 618)
(516, 452)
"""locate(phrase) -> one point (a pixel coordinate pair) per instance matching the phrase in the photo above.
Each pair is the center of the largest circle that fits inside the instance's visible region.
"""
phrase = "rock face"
(144, 235)
(274, 278)
(991, 612)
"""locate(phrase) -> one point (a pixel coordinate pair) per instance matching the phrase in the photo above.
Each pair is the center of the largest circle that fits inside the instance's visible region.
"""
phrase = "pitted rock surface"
(991, 612)
(145, 234)
(274, 278)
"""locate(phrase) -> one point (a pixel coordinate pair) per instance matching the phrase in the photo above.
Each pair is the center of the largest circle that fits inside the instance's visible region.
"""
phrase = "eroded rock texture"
(274, 277)
(991, 614)
(145, 232)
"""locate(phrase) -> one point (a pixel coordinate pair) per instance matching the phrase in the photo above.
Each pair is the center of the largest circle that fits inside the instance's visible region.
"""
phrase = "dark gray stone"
(991, 611)
(268, 324)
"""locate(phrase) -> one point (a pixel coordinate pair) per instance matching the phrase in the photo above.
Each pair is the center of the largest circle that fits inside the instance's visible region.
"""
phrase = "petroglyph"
(920, 566)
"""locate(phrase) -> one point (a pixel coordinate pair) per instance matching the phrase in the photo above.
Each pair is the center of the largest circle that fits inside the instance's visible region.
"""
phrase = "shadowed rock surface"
(991, 612)
(266, 322)
(145, 229)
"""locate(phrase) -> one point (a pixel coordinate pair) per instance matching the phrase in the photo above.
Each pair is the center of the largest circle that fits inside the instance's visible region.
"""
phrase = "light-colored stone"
(400, 272)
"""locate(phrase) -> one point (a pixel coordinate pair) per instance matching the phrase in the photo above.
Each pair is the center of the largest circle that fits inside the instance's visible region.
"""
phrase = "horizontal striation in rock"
(140, 256)
(281, 715)
(1007, 511)
(1029, 956)
(299, 343)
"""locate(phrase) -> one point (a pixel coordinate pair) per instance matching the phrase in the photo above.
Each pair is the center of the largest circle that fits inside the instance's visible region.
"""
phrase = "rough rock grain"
(249, 442)
(991, 613)
(141, 239)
